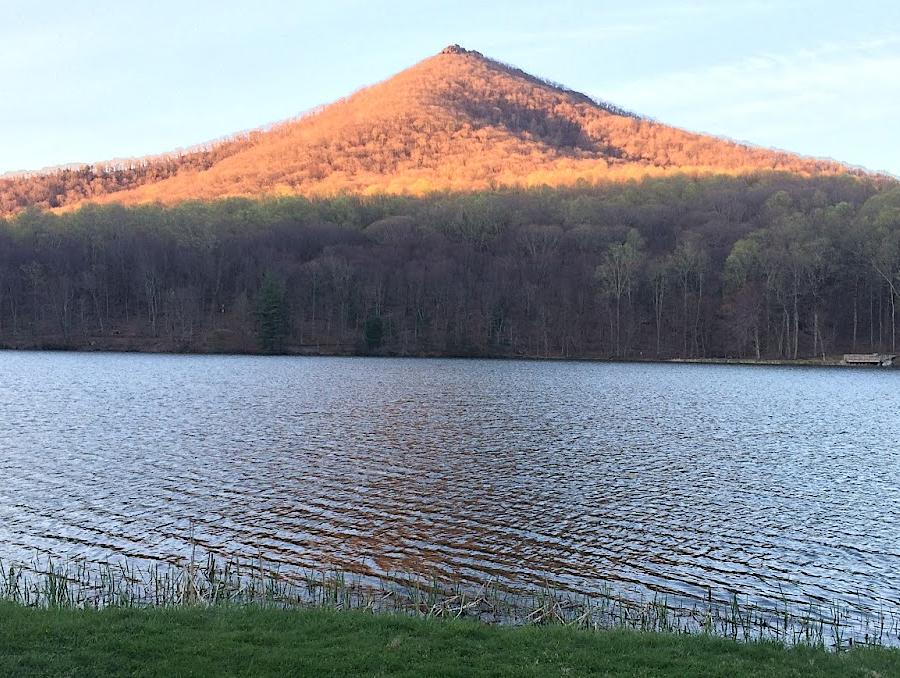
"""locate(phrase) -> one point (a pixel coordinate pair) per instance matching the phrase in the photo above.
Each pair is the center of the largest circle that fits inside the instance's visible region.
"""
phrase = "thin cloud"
(774, 82)
(598, 24)
(715, 9)
(834, 100)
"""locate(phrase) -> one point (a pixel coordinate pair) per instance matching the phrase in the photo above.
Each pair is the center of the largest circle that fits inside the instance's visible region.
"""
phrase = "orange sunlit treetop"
(454, 121)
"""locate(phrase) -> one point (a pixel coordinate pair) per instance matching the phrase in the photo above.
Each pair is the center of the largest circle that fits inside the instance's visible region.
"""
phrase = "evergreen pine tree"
(271, 315)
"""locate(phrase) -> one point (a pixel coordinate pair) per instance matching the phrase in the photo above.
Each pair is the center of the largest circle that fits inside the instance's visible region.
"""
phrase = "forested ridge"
(456, 121)
(763, 265)
(71, 186)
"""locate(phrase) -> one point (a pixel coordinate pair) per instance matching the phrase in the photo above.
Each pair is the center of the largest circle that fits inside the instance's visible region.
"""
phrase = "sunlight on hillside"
(455, 121)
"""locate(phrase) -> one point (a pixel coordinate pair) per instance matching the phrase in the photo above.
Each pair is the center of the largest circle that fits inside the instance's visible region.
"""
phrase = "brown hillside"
(454, 121)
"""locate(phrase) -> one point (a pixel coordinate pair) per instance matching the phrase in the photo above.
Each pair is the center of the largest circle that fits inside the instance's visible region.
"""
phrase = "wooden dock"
(876, 359)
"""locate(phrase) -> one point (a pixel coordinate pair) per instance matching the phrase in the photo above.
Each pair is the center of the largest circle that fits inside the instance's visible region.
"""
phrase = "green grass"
(257, 641)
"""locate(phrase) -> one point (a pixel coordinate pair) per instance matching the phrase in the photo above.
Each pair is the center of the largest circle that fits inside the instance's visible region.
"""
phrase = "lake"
(775, 483)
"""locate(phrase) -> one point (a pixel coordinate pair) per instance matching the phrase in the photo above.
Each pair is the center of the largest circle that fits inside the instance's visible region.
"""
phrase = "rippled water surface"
(767, 481)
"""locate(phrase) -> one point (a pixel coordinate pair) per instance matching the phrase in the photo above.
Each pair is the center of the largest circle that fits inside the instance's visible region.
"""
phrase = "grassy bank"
(257, 641)
(210, 582)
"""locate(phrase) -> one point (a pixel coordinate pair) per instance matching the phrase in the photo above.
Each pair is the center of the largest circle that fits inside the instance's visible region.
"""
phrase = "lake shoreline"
(157, 348)
(211, 581)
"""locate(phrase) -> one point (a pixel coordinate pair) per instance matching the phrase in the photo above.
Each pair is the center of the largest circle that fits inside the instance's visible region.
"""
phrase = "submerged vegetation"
(763, 266)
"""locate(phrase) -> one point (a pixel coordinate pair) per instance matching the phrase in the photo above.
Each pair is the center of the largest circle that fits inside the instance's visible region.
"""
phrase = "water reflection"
(768, 482)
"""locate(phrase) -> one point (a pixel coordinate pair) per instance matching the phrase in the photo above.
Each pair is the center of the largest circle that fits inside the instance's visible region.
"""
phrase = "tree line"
(769, 266)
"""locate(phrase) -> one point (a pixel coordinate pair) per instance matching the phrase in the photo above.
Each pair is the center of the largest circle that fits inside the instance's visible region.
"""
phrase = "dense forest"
(765, 265)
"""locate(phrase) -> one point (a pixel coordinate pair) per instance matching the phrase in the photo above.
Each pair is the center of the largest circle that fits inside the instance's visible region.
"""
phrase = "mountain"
(457, 121)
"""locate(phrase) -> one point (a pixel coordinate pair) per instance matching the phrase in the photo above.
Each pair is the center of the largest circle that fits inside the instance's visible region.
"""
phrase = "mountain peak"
(455, 121)
(456, 49)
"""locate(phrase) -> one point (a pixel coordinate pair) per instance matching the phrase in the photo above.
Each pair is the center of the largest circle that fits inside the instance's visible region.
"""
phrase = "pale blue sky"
(86, 82)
